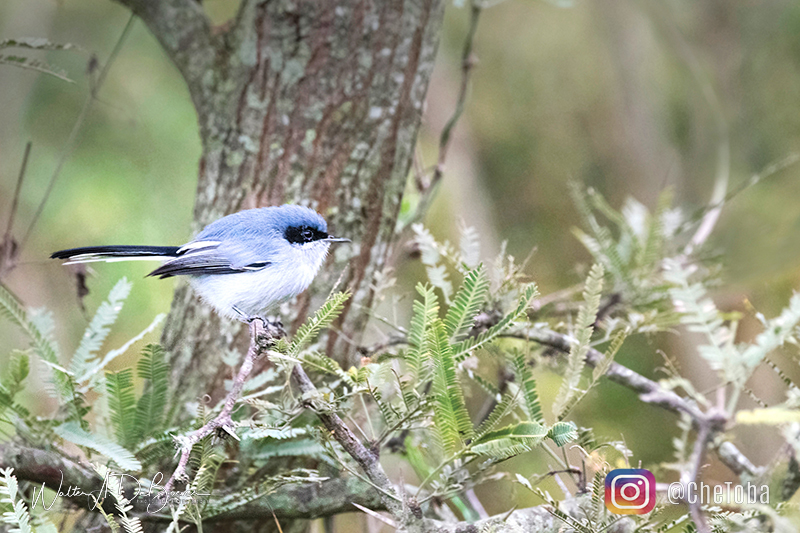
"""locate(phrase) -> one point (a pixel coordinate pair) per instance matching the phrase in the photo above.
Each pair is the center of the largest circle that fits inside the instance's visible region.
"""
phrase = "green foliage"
(467, 303)
(44, 347)
(425, 312)
(113, 484)
(326, 314)
(461, 350)
(452, 423)
(503, 408)
(562, 433)
(122, 404)
(510, 441)
(527, 386)
(11, 379)
(399, 397)
(576, 359)
(72, 432)
(150, 408)
(735, 362)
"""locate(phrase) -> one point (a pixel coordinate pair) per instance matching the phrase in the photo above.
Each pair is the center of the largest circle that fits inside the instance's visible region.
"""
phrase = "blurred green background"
(627, 96)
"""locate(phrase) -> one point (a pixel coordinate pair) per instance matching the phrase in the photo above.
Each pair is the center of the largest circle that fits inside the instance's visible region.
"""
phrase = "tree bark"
(309, 102)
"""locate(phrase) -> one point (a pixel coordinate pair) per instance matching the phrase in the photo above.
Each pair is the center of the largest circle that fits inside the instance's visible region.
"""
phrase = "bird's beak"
(331, 238)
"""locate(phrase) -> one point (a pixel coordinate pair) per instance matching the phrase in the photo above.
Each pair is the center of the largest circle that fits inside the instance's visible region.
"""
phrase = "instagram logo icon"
(630, 491)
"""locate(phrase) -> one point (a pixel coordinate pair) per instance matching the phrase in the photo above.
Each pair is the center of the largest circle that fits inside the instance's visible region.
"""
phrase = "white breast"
(255, 293)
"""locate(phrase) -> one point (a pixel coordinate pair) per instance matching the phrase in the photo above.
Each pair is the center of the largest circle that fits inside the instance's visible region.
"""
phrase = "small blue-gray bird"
(243, 264)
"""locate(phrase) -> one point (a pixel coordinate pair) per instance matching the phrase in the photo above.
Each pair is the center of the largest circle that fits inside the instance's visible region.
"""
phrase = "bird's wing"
(205, 257)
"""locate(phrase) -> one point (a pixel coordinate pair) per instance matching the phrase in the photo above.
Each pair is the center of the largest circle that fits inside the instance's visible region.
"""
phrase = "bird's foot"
(249, 319)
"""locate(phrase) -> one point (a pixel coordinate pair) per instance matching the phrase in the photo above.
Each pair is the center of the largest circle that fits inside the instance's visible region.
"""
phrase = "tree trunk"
(310, 102)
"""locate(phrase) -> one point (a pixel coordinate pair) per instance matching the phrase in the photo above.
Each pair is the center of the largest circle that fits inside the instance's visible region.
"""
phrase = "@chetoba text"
(630, 491)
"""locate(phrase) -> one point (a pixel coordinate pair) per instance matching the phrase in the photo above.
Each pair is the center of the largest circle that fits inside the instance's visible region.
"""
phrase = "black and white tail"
(91, 254)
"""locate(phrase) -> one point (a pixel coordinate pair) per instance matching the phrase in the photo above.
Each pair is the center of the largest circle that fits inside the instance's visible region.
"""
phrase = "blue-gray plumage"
(242, 264)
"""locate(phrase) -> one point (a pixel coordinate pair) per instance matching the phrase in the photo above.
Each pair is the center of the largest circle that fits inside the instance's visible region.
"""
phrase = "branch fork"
(261, 335)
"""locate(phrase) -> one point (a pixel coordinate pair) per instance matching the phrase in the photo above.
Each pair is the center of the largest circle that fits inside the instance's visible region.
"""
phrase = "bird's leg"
(248, 319)
(260, 339)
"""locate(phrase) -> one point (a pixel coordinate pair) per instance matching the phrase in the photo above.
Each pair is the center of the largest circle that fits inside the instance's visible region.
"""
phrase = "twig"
(468, 62)
(377, 516)
(69, 146)
(17, 189)
(472, 498)
(714, 423)
(368, 461)
(258, 336)
(8, 247)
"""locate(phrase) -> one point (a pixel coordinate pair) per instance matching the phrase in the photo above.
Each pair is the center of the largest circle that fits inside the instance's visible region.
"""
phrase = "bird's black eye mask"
(304, 234)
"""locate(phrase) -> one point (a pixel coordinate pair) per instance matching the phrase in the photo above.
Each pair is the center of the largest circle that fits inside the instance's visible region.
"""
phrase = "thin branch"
(365, 458)
(9, 251)
(17, 189)
(468, 62)
(649, 392)
(69, 146)
(708, 428)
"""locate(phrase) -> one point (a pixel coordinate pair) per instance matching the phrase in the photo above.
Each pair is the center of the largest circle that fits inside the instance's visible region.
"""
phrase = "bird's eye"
(308, 235)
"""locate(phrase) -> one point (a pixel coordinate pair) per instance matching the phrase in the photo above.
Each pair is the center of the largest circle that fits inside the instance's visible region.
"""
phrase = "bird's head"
(301, 226)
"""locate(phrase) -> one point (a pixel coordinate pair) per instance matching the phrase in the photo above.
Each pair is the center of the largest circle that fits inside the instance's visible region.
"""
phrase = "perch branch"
(258, 344)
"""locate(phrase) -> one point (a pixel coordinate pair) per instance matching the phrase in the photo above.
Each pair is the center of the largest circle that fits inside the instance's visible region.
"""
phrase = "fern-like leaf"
(113, 484)
(43, 346)
(150, 407)
(654, 241)
(608, 356)
(500, 411)
(470, 247)
(467, 303)
(15, 372)
(73, 433)
(425, 312)
(326, 314)
(562, 433)
(461, 350)
(122, 404)
(452, 422)
(18, 516)
(510, 441)
(576, 359)
(293, 448)
(98, 328)
(527, 385)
